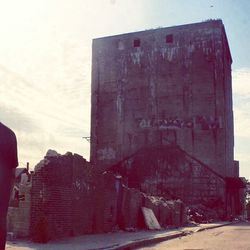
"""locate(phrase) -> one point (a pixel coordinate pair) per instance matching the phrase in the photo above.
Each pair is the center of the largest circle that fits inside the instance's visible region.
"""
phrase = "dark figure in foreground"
(8, 164)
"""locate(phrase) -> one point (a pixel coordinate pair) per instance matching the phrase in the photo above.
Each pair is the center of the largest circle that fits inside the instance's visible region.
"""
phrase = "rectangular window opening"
(169, 38)
(137, 43)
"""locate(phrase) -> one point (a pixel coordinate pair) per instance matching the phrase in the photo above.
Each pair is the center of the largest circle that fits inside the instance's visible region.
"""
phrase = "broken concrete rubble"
(203, 214)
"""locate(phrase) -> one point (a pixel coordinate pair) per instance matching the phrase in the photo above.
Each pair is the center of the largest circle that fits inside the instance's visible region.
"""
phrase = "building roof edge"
(202, 23)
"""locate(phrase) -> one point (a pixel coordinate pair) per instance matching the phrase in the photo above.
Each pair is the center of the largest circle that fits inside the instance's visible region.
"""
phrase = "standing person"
(8, 164)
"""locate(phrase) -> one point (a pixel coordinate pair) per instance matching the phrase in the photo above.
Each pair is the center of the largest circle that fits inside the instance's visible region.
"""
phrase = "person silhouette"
(8, 164)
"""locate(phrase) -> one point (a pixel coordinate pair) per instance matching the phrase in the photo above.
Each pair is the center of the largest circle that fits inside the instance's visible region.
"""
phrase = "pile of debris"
(204, 214)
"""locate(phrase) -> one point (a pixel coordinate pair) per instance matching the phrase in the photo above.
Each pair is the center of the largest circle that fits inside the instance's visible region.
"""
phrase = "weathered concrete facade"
(161, 87)
(169, 172)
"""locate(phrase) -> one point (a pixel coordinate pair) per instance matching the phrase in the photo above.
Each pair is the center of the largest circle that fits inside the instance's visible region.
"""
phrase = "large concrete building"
(162, 114)
(164, 86)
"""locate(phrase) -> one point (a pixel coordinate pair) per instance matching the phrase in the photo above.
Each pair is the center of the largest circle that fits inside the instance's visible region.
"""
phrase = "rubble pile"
(204, 214)
(168, 212)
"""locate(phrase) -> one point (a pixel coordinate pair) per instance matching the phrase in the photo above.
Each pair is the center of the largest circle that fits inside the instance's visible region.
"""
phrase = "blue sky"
(45, 64)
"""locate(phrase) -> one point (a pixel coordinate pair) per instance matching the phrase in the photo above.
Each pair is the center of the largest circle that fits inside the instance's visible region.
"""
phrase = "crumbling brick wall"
(60, 197)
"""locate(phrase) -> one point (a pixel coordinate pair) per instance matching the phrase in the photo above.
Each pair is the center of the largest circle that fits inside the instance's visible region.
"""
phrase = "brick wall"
(60, 198)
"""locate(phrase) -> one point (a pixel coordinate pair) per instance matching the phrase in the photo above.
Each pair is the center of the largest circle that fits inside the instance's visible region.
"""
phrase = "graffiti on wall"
(79, 186)
(136, 56)
(198, 122)
(107, 153)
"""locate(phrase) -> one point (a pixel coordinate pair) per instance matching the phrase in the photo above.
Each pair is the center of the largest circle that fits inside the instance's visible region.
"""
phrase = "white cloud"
(241, 82)
(45, 68)
(50, 106)
(241, 95)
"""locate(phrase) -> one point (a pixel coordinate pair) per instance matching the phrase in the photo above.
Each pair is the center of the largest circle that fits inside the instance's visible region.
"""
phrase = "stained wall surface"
(160, 87)
(169, 172)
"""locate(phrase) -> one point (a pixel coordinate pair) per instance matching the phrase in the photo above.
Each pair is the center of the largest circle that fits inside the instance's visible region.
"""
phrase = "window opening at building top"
(169, 38)
(137, 43)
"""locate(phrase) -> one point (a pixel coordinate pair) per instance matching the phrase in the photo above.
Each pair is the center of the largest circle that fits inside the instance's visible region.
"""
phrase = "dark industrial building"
(162, 113)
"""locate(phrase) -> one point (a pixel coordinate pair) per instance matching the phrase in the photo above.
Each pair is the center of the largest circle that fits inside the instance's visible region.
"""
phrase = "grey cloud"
(73, 132)
(17, 120)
